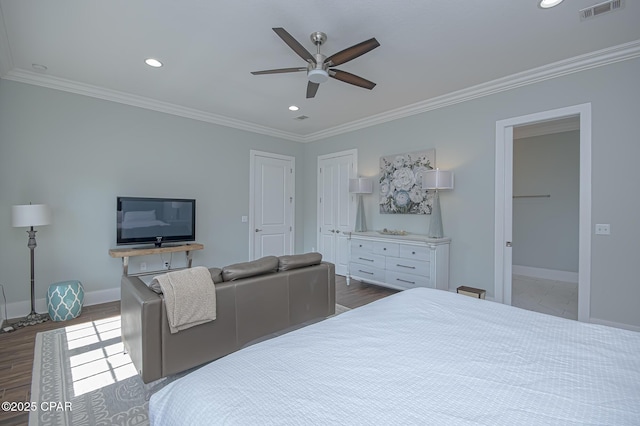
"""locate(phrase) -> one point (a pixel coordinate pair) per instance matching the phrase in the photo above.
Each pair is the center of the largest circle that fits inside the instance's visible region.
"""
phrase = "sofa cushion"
(265, 265)
(216, 276)
(296, 261)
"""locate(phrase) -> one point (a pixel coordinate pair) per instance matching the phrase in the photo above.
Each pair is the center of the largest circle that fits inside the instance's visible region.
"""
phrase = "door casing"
(504, 194)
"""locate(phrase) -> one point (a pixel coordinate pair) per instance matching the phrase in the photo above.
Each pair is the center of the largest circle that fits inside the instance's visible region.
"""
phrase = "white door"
(504, 203)
(271, 204)
(336, 207)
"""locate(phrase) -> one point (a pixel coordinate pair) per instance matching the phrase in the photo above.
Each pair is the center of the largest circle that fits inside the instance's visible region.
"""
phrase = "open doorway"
(546, 195)
(503, 243)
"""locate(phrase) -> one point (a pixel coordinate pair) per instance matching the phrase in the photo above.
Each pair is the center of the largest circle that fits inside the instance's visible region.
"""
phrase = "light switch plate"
(602, 229)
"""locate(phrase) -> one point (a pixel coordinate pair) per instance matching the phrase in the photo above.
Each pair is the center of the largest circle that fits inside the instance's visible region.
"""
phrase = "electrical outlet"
(602, 229)
(143, 266)
(166, 265)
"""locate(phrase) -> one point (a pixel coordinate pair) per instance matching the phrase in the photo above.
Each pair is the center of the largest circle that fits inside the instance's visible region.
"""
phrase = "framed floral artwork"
(401, 182)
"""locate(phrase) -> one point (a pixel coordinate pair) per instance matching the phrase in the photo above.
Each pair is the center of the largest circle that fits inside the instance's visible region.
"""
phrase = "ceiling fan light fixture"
(317, 76)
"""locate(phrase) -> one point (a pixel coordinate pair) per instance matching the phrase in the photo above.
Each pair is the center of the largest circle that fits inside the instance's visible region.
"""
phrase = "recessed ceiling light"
(153, 62)
(39, 67)
(546, 4)
(293, 108)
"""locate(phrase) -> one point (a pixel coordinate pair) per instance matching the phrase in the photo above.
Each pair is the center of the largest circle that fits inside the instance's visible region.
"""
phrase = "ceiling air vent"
(300, 117)
(600, 9)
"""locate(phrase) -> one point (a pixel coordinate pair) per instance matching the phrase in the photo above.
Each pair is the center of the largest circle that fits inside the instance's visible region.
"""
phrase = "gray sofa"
(253, 300)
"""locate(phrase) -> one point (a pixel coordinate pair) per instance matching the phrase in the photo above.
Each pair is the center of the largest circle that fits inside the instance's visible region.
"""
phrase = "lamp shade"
(437, 179)
(30, 215)
(361, 186)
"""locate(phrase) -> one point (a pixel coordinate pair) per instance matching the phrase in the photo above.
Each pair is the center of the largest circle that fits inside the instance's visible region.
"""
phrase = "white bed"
(419, 357)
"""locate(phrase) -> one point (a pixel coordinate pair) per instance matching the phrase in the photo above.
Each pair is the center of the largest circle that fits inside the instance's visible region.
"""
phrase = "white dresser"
(400, 262)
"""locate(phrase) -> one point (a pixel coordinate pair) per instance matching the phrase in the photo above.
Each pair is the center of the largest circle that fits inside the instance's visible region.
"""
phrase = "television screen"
(155, 220)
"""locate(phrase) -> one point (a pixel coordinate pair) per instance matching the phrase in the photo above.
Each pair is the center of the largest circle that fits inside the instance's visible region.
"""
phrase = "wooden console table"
(126, 253)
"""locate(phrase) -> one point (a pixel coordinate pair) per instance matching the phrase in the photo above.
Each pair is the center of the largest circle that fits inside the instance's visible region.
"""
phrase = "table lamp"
(436, 179)
(360, 186)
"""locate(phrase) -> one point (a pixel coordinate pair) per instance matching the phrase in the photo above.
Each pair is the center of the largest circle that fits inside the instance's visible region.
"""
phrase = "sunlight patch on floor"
(97, 368)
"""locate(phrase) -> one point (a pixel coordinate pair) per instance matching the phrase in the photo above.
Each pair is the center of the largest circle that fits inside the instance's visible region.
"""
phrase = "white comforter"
(419, 357)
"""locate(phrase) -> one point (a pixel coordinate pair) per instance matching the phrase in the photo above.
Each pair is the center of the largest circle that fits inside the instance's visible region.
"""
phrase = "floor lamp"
(31, 215)
(360, 186)
(436, 180)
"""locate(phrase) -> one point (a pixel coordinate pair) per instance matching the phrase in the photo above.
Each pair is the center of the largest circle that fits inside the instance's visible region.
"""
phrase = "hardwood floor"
(16, 357)
(357, 293)
(16, 348)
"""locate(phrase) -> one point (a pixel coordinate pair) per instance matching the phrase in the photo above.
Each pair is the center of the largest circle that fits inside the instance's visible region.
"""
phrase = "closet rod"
(532, 196)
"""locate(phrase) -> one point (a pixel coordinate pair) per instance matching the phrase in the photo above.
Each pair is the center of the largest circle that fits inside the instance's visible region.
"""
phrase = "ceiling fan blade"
(347, 77)
(312, 89)
(351, 52)
(293, 44)
(278, 71)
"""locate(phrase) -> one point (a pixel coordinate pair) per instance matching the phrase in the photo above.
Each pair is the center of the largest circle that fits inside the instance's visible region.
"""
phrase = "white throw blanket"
(189, 296)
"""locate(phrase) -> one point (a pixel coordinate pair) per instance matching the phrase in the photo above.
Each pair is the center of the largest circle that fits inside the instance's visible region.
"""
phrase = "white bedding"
(419, 357)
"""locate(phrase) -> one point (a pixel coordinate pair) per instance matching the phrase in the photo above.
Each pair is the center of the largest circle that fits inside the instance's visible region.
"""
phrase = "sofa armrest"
(331, 271)
(140, 310)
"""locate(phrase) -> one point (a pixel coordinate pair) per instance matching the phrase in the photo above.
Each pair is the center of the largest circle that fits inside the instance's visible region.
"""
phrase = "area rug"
(81, 376)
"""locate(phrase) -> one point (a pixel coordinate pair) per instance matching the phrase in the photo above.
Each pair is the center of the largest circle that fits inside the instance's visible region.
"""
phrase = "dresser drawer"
(362, 245)
(407, 281)
(386, 249)
(367, 258)
(414, 252)
(365, 272)
(407, 266)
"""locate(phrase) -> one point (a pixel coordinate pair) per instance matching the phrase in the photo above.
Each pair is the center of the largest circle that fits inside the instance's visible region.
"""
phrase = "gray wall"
(78, 153)
(464, 138)
(545, 230)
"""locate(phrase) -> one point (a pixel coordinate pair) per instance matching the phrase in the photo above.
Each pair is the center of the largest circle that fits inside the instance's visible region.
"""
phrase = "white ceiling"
(429, 50)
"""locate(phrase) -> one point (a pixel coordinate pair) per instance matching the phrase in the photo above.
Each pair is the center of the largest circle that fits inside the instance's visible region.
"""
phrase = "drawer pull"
(365, 272)
(384, 248)
(405, 281)
(359, 245)
(368, 260)
(405, 266)
(413, 252)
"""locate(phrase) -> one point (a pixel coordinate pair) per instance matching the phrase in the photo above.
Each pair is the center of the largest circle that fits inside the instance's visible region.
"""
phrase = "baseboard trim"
(546, 274)
(614, 324)
(22, 308)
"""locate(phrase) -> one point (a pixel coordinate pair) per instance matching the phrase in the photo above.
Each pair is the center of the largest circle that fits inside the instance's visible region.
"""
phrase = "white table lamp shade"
(361, 186)
(30, 215)
(437, 179)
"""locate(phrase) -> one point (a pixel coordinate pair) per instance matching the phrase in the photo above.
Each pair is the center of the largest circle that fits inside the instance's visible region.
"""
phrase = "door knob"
(258, 230)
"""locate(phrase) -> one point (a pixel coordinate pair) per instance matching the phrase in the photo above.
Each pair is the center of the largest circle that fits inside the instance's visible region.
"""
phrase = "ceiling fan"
(320, 67)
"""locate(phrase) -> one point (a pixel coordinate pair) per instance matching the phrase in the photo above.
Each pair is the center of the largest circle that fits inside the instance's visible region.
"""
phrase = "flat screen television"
(155, 220)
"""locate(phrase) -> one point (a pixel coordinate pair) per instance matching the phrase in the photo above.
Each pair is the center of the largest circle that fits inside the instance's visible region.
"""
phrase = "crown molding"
(584, 62)
(43, 80)
(576, 64)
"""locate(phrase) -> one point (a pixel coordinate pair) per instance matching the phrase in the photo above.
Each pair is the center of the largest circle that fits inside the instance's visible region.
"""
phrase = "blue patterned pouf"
(64, 300)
